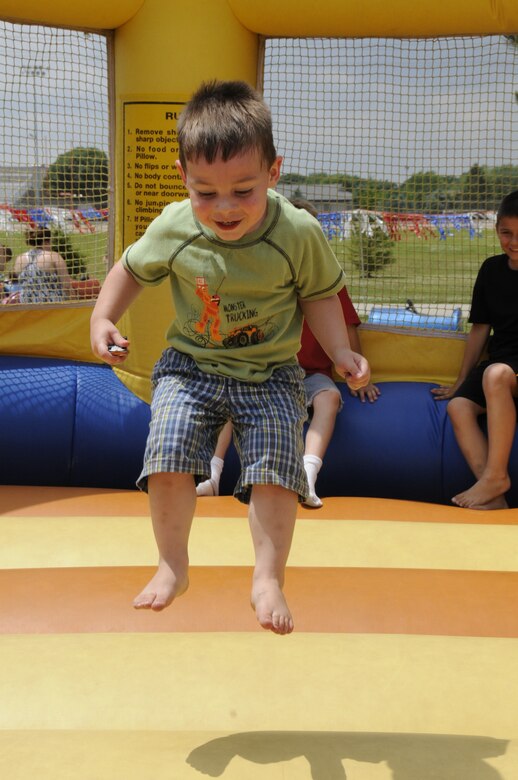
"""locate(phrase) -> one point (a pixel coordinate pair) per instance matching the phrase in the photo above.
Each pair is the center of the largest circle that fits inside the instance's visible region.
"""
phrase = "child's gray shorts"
(189, 408)
(315, 383)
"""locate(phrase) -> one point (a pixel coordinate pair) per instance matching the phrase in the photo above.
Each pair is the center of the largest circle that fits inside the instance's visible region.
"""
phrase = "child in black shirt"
(489, 386)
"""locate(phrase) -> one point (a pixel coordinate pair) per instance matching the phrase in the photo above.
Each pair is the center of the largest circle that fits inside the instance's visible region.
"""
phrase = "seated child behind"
(489, 386)
(323, 398)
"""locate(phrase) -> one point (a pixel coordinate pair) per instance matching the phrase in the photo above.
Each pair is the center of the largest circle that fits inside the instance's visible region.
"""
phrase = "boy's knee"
(169, 479)
(498, 375)
(328, 400)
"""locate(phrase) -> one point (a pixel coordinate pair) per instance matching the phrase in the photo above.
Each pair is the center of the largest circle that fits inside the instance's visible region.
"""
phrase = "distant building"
(19, 185)
(325, 197)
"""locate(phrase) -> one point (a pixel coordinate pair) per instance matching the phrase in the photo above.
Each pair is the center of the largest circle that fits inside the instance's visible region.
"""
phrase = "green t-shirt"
(236, 302)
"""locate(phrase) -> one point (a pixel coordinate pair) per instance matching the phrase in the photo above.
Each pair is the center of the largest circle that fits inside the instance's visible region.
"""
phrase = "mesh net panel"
(54, 175)
(406, 148)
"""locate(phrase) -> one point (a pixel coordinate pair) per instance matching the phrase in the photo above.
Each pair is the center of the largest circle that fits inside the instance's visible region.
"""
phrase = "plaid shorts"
(190, 407)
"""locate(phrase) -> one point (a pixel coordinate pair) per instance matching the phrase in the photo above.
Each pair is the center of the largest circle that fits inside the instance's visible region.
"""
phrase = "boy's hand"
(104, 334)
(354, 368)
(368, 393)
(444, 392)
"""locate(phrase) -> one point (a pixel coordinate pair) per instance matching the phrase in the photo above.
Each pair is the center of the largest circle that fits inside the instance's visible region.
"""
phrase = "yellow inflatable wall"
(161, 53)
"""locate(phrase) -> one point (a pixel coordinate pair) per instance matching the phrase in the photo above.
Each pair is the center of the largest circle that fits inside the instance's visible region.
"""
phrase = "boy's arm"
(118, 291)
(326, 320)
(475, 343)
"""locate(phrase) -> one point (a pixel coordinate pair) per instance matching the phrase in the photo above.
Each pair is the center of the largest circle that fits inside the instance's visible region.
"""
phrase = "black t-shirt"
(495, 303)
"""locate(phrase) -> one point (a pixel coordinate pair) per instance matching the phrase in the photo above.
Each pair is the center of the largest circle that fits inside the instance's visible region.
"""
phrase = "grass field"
(428, 271)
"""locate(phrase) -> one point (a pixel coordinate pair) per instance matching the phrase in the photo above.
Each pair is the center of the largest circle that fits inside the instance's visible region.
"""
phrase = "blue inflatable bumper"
(76, 424)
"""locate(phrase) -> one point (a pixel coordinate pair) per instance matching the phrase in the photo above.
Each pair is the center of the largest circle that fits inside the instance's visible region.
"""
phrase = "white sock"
(210, 487)
(216, 467)
(312, 465)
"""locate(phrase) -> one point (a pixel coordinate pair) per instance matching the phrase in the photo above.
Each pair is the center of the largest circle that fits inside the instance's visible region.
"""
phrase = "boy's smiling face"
(507, 231)
(229, 197)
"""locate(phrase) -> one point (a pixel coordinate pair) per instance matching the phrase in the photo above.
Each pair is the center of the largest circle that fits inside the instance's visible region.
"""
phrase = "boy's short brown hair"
(225, 118)
(508, 207)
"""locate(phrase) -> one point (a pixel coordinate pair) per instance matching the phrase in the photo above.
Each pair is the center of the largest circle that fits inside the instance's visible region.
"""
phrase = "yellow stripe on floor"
(248, 682)
(36, 542)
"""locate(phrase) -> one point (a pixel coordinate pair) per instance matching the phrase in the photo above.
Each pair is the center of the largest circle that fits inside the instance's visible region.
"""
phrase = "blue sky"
(53, 88)
(388, 108)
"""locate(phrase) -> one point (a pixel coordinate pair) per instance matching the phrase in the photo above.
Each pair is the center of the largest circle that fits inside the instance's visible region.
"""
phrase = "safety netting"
(54, 164)
(405, 147)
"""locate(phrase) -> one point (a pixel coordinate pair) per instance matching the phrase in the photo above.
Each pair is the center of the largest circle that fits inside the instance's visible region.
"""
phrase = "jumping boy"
(489, 386)
(266, 265)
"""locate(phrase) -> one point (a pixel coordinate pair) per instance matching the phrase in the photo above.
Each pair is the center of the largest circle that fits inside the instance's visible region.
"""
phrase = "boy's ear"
(179, 168)
(275, 172)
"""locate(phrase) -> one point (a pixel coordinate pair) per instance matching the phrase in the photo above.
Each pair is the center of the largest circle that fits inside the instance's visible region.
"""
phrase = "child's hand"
(370, 392)
(444, 392)
(354, 368)
(103, 335)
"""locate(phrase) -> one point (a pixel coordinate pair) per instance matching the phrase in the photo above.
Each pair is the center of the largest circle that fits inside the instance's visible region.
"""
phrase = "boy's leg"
(500, 387)
(187, 410)
(326, 405)
(268, 420)
(464, 414)
(271, 516)
(172, 499)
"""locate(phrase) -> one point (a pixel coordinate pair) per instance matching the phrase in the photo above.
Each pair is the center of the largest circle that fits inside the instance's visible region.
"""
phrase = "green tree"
(427, 191)
(370, 247)
(475, 193)
(292, 178)
(81, 173)
(502, 180)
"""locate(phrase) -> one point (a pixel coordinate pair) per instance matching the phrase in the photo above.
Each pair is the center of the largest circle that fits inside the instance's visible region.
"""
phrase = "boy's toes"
(278, 623)
(144, 600)
(282, 624)
(459, 501)
(149, 601)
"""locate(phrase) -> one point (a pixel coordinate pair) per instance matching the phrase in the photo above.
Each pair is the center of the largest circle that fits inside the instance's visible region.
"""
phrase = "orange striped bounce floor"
(403, 664)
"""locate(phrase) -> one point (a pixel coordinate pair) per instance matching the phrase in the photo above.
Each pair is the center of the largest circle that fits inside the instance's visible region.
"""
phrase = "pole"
(34, 72)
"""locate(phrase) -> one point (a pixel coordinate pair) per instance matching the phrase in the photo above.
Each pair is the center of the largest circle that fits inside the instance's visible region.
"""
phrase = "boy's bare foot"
(485, 494)
(497, 503)
(270, 606)
(162, 589)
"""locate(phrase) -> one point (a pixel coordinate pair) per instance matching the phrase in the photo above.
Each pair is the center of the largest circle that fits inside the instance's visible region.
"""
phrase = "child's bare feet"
(270, 606)
(497, 503)
(487, 493)
(162, 589)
